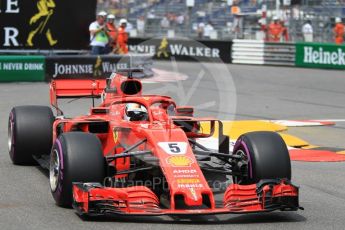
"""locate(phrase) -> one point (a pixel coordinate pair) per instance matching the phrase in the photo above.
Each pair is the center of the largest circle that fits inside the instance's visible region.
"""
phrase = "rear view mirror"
(195, 128)
(187, 111)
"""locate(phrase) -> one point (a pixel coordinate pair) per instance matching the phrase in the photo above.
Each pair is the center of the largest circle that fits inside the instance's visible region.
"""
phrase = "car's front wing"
(92, 199)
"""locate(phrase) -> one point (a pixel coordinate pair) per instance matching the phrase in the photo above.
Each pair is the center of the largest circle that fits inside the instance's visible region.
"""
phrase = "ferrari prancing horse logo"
(116, 136)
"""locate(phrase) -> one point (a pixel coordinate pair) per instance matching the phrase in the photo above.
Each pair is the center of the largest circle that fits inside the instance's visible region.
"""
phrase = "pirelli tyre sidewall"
(30, 132)
(80, 159)
(267, 156)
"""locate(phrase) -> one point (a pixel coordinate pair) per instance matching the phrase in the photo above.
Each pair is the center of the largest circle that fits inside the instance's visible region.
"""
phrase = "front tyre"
(75, 157)
(266, 155)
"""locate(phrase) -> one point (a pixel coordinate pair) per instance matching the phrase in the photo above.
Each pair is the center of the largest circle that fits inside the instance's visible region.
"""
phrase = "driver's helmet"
(135, 112)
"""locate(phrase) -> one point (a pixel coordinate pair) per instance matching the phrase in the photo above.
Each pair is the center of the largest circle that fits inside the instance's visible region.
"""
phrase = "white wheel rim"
(54, 170)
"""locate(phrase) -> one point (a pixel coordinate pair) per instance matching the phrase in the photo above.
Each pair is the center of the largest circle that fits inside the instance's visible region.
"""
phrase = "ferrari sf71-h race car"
(138, 154)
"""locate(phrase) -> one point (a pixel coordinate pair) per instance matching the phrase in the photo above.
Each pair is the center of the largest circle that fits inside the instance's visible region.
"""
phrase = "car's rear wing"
(93, 88)
(75, 88)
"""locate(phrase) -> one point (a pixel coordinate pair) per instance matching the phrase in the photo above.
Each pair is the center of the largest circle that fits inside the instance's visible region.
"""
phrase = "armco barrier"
(22, 68)
(41, 68)
(248, 52)
(320, 55)
(263, 53)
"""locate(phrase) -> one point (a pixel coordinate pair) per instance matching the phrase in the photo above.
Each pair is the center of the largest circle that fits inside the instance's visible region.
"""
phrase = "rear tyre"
(30, 132)
(75, 157)
(267, 157)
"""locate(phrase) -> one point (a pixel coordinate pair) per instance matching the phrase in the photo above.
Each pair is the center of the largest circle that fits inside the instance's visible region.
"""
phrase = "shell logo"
(180, 161)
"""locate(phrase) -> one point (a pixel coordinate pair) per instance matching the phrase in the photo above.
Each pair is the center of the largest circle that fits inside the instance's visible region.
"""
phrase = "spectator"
(253, 3)
(285, 32)
(200, 30)
(274, 30)
(112, 31)
(151, 14)
(208, 30)
(165, 24)
(141, 25)
(237, 26)
(122, 38)
(180, 20)
(307, 31)
(172, 19)
(129, 27)
(98, 36)
(338, 31)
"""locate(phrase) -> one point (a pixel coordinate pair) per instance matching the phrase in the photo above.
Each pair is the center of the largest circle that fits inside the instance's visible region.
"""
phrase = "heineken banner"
(46, 24)
(22, 68)
(183, 49)
(320, 55)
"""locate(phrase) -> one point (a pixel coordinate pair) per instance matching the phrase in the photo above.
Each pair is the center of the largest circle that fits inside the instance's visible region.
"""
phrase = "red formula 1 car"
(139, 154)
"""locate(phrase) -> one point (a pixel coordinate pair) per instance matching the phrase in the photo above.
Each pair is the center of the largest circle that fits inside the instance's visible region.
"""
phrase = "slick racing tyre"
(266, 155)
(75, 157)
(30, 132)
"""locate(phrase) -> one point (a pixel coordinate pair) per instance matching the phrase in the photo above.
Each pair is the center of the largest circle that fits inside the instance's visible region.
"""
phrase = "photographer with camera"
(98, 35)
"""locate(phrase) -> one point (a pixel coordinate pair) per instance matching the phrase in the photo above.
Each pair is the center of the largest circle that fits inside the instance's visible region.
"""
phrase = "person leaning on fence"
(284, 32)
(122, 38)
(339, 31)
(165, 24)
(98, 35)
(208, 30)
(200, 30)
(307, 31)
(141, 25)
(112, 32)
(274, 30)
